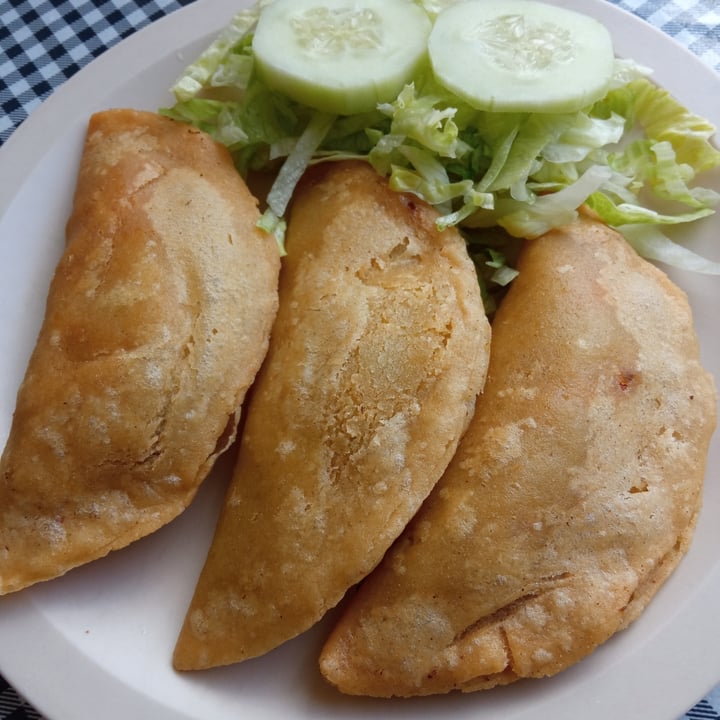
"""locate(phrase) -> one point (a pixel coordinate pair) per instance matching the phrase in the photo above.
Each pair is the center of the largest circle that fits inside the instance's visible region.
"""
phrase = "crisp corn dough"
(378, 352)
(572, 496)
(157, 320)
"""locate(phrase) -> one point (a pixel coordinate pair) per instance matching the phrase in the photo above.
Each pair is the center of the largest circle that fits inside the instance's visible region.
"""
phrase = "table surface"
(45, 42)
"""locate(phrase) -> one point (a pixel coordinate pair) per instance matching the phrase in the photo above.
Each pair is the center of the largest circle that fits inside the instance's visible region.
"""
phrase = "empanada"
(157, 320)
(378, 352)
(572, 496)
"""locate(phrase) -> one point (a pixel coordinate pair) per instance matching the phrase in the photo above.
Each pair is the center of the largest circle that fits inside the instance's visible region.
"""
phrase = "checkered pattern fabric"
(12, 707)
(44, 42)
(693, 23)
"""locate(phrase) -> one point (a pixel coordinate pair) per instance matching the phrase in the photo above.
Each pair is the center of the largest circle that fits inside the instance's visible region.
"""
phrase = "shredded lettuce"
(219, 64)
(652, 244)
(298, 159)
(275, 226)
(634, 157)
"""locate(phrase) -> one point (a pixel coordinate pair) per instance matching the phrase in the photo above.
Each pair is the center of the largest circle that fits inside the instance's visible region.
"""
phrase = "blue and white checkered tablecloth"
(44, 42)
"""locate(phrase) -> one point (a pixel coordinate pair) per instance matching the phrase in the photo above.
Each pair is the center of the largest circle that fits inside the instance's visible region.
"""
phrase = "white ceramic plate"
(97, 643)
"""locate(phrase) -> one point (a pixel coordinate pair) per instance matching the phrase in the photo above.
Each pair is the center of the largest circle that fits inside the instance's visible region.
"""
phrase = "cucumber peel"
(338, 56)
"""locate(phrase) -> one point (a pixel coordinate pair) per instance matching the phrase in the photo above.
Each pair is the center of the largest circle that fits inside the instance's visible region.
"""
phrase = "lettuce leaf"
(634, 157)
(219, 64)
(652, 244)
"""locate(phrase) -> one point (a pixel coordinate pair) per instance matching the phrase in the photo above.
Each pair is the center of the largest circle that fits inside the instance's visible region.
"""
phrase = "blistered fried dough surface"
(378, 352)
(157, 320)
(573, 494)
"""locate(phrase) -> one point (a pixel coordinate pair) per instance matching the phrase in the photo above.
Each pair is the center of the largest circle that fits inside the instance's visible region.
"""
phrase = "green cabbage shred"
(633, 157)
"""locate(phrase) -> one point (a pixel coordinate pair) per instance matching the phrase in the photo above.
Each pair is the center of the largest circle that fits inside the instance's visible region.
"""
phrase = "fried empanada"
(573, 494)
(157, 320)
(378, 352)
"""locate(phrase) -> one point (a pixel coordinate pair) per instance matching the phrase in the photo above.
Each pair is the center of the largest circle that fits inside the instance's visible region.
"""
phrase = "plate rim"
(64, 105)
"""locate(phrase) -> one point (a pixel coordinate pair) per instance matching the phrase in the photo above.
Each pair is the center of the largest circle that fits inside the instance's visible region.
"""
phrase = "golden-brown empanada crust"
(573, 494)
(379, 350)
(157, 320)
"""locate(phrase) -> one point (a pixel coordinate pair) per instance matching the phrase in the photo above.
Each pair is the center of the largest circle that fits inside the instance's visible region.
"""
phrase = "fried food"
(573, 494)
(378, 352)
(157, 320)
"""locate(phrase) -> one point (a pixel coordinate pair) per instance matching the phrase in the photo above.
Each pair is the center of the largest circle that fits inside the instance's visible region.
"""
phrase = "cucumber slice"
(521, 56)
(340, 56)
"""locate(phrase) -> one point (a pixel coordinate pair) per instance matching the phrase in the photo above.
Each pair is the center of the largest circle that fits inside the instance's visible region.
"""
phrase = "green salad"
(507, 115)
